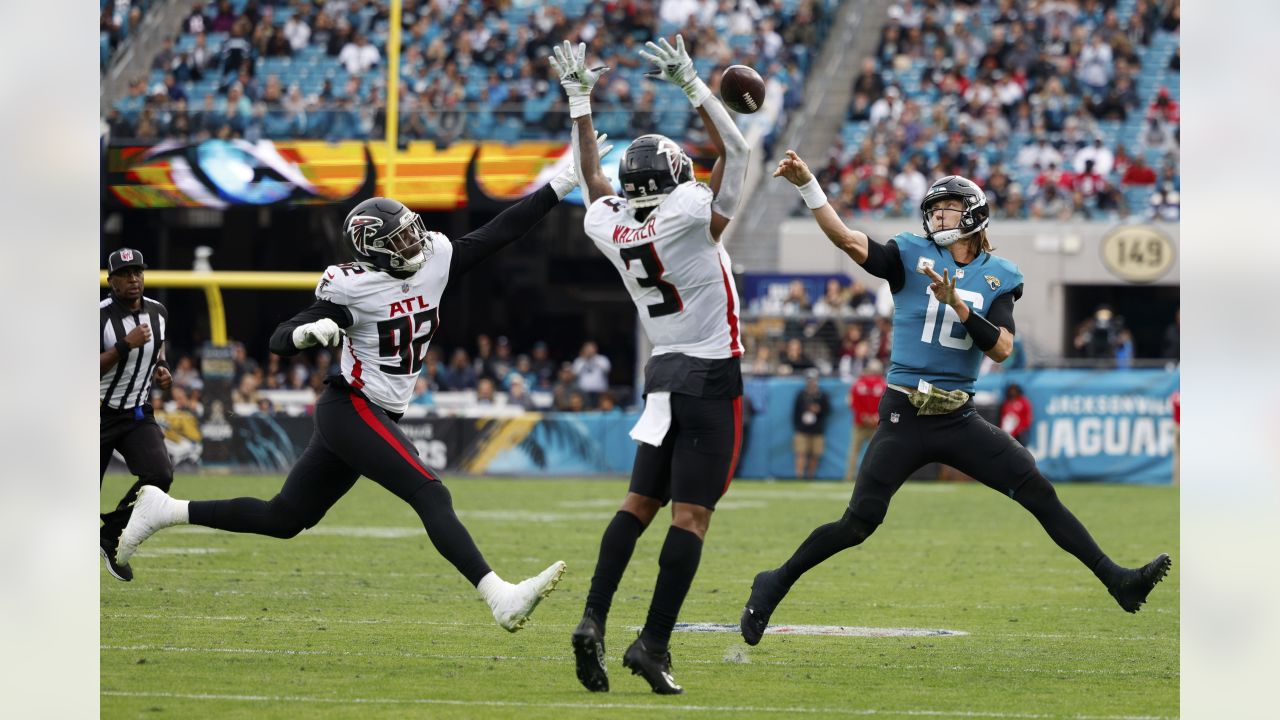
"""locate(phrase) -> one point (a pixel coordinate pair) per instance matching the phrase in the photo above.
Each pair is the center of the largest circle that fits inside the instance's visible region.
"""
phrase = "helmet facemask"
(404, 249)
(974, 213)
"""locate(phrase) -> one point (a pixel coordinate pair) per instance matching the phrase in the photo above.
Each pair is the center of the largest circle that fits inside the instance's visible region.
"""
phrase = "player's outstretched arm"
(854, 243)
(674, 65)
(570, 65)
(315, 325)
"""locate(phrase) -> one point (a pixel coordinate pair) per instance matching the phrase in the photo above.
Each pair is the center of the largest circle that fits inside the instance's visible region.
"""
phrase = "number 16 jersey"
(679, 277)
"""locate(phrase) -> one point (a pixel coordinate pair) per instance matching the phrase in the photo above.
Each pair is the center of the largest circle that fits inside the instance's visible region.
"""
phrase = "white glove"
(567, 179)
(576, 78)
(676, 67)
(323, 332)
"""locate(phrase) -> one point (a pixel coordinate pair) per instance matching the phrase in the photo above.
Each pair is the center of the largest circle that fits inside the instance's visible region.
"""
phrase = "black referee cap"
(123, 258)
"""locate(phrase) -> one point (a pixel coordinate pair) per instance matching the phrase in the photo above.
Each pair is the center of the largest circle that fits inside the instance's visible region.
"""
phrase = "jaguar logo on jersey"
(993, 281)
(363, 227)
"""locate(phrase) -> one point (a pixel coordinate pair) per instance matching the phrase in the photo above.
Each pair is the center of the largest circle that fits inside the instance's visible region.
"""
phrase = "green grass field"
(360, 618)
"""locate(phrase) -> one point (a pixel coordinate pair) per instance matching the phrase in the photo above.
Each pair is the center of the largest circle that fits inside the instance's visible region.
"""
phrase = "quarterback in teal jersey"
(953, 303)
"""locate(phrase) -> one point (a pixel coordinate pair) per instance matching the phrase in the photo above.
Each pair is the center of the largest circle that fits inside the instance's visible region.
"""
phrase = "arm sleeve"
(1001, 312)
(510, 225)
(885, 261)
(282, 339)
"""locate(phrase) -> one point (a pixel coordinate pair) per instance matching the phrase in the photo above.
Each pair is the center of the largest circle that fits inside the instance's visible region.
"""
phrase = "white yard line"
(968, 669)
(861, 712)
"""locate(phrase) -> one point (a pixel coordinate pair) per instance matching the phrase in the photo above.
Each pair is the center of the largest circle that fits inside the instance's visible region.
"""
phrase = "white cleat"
(516, 604)
(152, 511)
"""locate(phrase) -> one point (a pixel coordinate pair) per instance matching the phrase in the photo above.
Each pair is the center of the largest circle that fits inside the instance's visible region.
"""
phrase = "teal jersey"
(929, 341)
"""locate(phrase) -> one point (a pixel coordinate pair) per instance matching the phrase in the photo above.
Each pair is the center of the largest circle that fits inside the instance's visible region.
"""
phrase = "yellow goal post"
(214, 282)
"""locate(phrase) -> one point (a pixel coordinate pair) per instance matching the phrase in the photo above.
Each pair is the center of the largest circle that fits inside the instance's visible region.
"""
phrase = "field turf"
(360, 618)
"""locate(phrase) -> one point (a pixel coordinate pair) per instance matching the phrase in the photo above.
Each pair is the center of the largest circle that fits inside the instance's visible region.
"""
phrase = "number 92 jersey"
(392, 322)
(929, 342)
(678, 275)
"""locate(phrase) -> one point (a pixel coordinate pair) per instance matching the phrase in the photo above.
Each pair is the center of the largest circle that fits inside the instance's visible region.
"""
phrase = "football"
(742, 89)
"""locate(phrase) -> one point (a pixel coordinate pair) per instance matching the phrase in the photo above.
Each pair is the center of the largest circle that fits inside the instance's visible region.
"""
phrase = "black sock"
(677, 564)
(434, 505)
(822, 543)
(616, 546)
(1038, 496)
(247, 515)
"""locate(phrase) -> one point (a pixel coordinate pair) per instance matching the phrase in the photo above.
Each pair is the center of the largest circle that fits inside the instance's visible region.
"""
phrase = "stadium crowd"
(1059, 108)
(468, 68)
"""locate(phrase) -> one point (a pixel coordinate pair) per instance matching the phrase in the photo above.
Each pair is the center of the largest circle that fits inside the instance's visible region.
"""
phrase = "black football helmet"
(388, 236)
(651, 168)
(974, 217)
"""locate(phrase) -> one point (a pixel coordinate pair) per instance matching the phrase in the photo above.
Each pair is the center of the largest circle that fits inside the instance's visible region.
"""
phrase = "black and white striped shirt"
(128, 384)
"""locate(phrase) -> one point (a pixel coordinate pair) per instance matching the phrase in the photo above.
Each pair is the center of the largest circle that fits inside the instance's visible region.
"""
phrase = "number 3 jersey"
(392, 322)
(929, 341)
(680, 280)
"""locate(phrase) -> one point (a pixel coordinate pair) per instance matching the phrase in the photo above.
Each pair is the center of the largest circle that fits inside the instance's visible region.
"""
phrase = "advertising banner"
(1088, 426)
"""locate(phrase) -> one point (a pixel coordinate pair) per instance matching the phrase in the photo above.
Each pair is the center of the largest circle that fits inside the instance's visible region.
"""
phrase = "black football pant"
(352, 437)
(141, 442)
(904, 442)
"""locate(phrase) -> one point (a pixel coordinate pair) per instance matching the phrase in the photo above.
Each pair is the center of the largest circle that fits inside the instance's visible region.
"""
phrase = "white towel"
(655, 421)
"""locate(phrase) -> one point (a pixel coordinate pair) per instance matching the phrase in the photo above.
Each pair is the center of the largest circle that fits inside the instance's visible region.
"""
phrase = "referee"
(131, 333)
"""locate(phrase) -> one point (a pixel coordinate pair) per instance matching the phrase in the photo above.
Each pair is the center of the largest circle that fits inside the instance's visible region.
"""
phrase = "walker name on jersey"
(407, 306)
(623, 235)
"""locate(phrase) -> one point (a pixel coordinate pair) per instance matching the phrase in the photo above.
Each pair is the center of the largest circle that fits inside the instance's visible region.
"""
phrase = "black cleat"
(588, 653)
(1132, 589)
(766, 593)
(108, 550)
(654, 667)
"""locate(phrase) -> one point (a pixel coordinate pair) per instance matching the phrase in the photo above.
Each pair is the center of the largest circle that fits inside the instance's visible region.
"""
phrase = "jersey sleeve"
(602, 215)
(331, 286)
(692, 207)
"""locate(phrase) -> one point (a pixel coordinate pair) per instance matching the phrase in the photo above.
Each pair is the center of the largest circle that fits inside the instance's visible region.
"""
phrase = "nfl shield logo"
(404, 287)
(893, 417)
(126, 255)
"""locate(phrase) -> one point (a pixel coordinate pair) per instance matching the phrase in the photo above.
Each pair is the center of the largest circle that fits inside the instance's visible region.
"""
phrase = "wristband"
(579, 106)
(812, 193)
(984, 334)
(122, 349)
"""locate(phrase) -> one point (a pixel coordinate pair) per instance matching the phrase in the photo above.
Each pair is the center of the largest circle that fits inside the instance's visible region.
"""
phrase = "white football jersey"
(393, 320)
(679, 277)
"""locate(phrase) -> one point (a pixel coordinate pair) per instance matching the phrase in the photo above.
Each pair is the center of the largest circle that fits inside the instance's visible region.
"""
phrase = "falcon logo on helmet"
(651, 168)
(973, 217)
(388, 236)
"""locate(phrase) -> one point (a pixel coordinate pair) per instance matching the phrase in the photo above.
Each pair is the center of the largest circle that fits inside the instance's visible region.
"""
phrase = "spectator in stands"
(797, 299)
(592, 370)
(422, 392)
(864, 402)
(761, 362)
(194, 23)
(542, 365)
(522, 369)
(1015, 414)
(1139, 173)
(565, 386)
(296, 30)
(502, 361)
(1156, 137)
(1124, 349)
(577, 402)
(483, 363)
(486, 392)
(462, 374)
(853, 353)
(518, 392)
(1165, 203)
(1098, 336)
(185, 374)
(809, 419)
(1051, 204)
(869, 82)
(910, 183)
(1098, 153)
(794, 360)
(887, 107)
(359, 55)
(834, 302)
